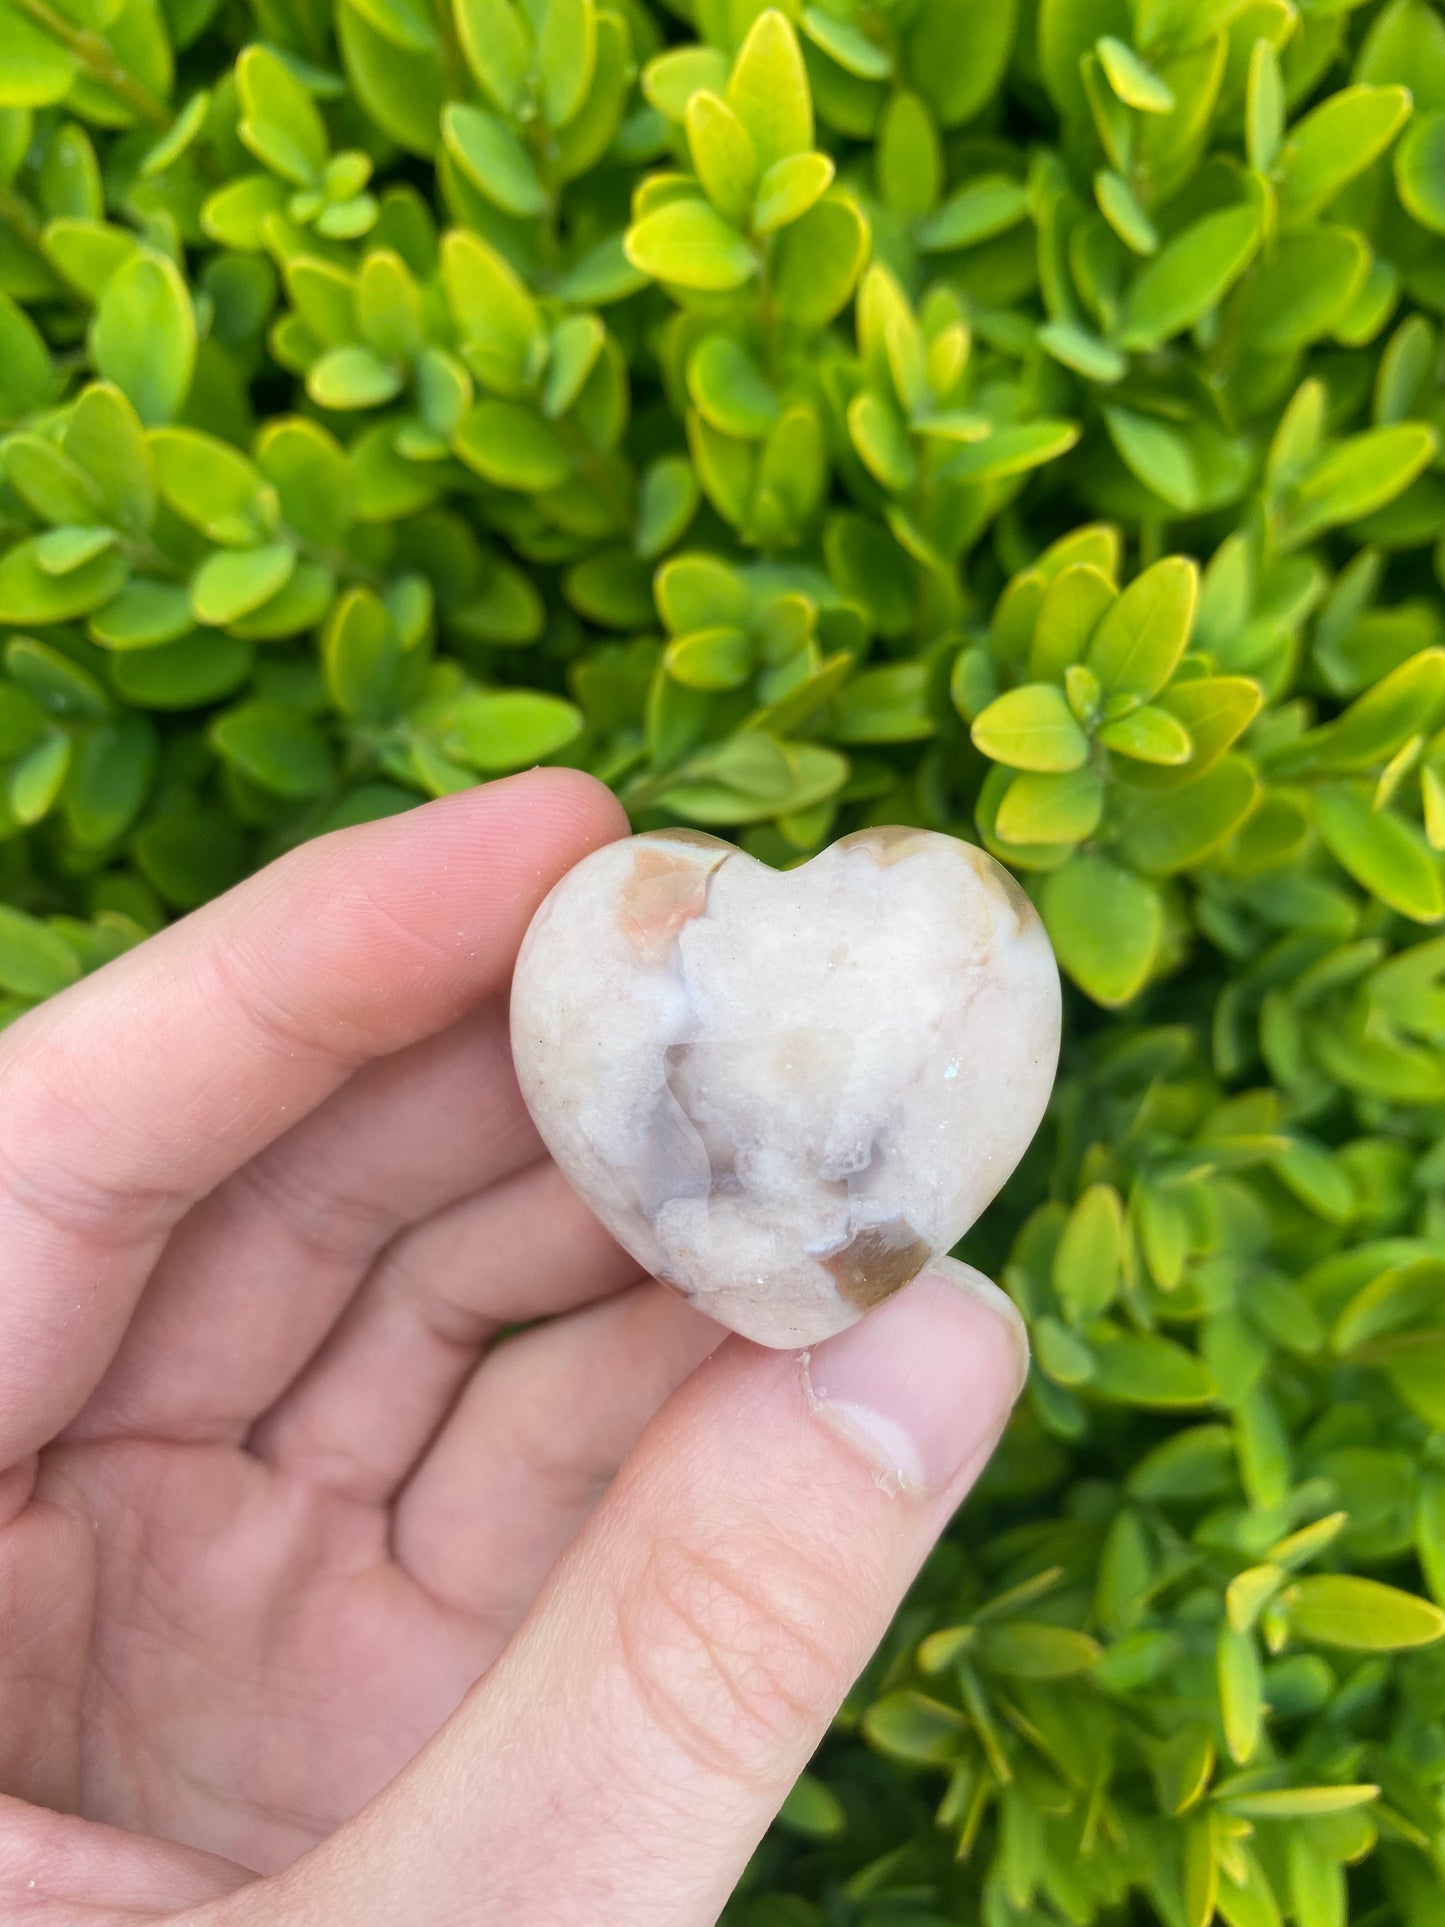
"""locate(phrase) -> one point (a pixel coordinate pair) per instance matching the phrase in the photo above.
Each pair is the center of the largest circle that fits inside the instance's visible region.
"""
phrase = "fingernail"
(924, 1383)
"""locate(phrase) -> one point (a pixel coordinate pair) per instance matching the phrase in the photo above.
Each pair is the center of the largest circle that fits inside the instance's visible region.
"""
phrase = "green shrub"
(1012, 416)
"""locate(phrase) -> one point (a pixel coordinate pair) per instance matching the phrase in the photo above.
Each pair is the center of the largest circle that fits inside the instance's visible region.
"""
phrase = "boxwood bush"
(1018, 417)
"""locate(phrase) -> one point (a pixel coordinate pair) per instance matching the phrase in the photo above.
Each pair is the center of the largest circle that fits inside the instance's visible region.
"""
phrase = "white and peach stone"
(786, 1091)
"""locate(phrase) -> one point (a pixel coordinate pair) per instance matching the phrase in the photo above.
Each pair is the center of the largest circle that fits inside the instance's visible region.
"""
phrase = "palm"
(258, 1665)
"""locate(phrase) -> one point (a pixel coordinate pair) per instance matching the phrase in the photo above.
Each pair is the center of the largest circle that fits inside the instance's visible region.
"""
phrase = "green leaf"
(1141, 638)
(1012, 451)
(211, 485)
(143, 337)
(1360, 475)
(54, 679)
(493, 159)
(566, 58)
(1067, 30)
(35, 781)
(499, 322)
(1420, 170)
(512, 446)
(886, 704)
(768, 90)
(1134, 82)
(183, 674)
(723, 156)
(753, 777)
(389, 307)
(1166, 831)
(670, 81)
(1034, 1649)
(817, 261)
(689, 244)
(236, 215)
(1074, 604)
(910, 1726)
(1264, 107)
(498, 48)
(280, 122)
(1148, 735)
(909, 158)
(1105, 924)
(143, 614)
(1298, 292)
(1141, 1368)
(701, 592)
(30, 593)
(813, 1811)
(26, 373)
(1160, 456)
(360, 655)
(277, 748)
(729, 390)
(1046, 808)
(1293, 1802)
(789, 188)
(35, 961)
(667, 501)
(1334, 143)
(711, 659)
(1120, 208)
(576, 344)
(312, 476)
(64, 549)
(233, 582)
(189, 856)
(1031, 728)
(1386, 856)
(1341, 1609)
(957, 51)
(38, 70)
(109, 780)
(880, 435)
(510, 728)
(1189, 276)
(1316, 1179)
(980, 209)
(1086, 1268)
(1076, 348)
(352, 377)
(1241, 1692)
(1410, 699)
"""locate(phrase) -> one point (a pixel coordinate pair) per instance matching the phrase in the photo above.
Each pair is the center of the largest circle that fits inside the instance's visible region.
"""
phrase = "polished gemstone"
(785, 1091)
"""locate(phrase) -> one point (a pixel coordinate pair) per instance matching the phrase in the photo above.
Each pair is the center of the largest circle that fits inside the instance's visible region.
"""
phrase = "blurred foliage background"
(1018, 417)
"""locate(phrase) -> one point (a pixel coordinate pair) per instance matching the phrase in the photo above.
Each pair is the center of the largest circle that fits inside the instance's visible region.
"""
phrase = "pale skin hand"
(313, 1608)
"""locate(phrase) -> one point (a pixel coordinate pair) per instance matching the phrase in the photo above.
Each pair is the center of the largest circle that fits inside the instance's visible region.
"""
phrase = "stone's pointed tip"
(783, 1090)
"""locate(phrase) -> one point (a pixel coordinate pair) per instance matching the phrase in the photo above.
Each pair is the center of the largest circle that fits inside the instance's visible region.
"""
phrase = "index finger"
(130, 1096)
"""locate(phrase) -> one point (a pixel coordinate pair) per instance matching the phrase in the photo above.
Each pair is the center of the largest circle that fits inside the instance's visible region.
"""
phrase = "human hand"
(316, 1608)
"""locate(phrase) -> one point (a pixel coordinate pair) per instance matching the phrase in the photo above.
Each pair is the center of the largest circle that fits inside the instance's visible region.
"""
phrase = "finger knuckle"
(737, 1652)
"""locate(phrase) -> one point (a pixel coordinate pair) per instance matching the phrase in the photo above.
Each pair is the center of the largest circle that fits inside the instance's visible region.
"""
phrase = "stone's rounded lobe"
(786, 1091)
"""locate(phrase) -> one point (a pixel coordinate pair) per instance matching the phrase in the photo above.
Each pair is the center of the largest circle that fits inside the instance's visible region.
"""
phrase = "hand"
(319, 1609)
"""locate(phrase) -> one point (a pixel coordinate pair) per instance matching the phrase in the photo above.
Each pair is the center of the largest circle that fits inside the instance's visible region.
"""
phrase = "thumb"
(621, 1761)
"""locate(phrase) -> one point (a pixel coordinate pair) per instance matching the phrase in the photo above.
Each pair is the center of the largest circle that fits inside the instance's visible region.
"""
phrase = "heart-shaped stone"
(786, 1091)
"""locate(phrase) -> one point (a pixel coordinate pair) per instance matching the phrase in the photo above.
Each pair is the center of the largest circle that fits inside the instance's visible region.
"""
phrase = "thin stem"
(99, 60)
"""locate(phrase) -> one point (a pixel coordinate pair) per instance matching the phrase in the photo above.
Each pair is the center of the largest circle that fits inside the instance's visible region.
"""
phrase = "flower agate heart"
(786, 1091)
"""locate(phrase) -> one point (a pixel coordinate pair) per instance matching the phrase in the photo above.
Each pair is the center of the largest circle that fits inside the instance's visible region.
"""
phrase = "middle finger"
(255, 1275)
